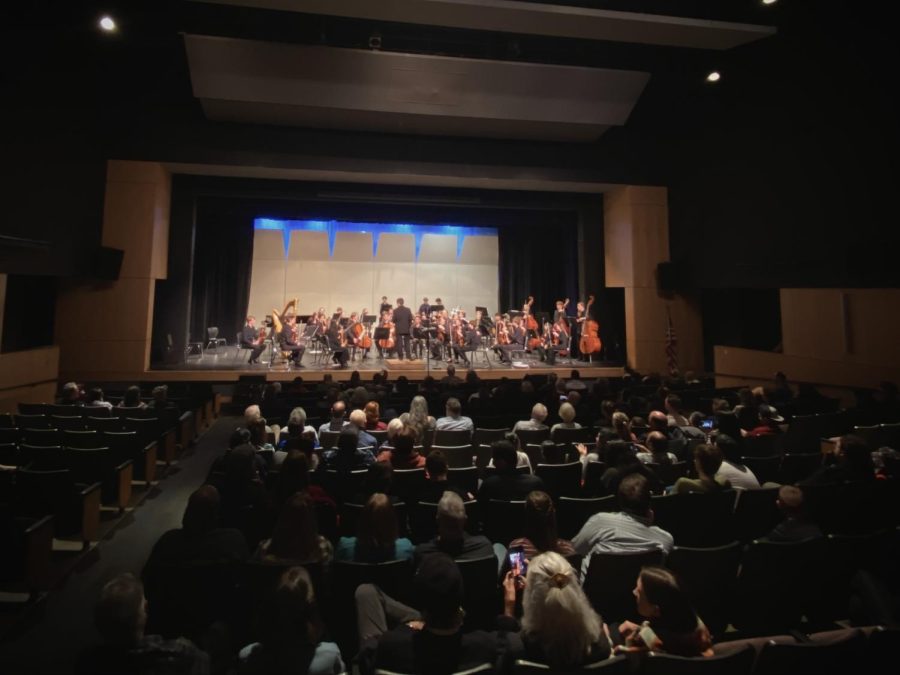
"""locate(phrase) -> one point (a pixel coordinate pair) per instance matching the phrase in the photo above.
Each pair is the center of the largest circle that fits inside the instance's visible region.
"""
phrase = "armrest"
(38, 549)
(90, 513)
(124, 476)
(150, 453)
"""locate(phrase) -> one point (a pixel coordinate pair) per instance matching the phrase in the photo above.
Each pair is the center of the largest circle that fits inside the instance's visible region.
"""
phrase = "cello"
(590, 339)
(531, 325)
(365, 340)
(387, 343)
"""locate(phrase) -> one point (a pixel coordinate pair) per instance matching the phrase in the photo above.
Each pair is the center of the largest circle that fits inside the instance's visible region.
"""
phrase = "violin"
(531, 325)
(262, 335)
(590, 337)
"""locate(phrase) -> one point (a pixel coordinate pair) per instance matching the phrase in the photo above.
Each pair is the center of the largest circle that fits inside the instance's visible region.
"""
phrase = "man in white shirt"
(629, 531)
(733, 470)
(536, 423)
(454, 420)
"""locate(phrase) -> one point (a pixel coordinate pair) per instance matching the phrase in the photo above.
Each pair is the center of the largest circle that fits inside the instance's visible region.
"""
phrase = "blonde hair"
(567, 412)
(539, 412)
(557, 613)
(394, 426)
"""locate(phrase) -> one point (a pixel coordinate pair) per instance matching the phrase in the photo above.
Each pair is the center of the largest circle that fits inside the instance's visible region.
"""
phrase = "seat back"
(465, 478)
(561, 480)
(41, 457)
(64, 422)
(797, 466)
(760, 446)
(708, 576)
(406, 484)
(10, 435)
(840, 654)
(31, 409)
(593, 486)
(329, 439)
(343, 486)
(484, 436)
(504, 521)
(756, 513)
(80, 439)
(104, 423)
(610, 579)
(423, 520)
(696, 518)
(669, 473)
(350, 515)
(764, 468)
(532, 436)
(571, 436)
(452, 437)
(457, 455)
(480, 600)
(737, 662)
(616, 665)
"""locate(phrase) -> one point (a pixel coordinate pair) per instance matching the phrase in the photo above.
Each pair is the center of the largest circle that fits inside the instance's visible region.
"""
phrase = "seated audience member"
(851, 460)
(656, 450)
(71, 394)
(454, 420)
(398, 638)
(379, 478)
(253, 413)
(551, 452)
(506, 484)
(707, 462)
(769, 422)
(418, 419)
(358, 422)
(348, 456)
(404, 454)
(450, 380)
(540, 528)
(376, 539)
(622, 426)
(260, 442)
(558, 627)
(782, 392)
(95, 399)
(452, 537)
(297, 426)
(522, 458)
(536, 423)
(622, 460)
(199, 539)
(160, 400)
(675, 416)
(796, 526)
(241, 486)
(290, 633)
(295, 537)
(393, 428)
(567, 415)
(132, 399)
(631, 530)
(293, 477)
(120, 617)
(373, 414)
(336, 422)
(733, 469)
(437, 472)
(670, 623)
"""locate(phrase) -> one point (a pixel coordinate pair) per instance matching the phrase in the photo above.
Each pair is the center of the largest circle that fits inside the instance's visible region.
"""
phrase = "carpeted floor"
(61, 624)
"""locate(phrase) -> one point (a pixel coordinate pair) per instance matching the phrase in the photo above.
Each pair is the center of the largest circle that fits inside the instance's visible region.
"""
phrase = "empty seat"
(127, 445)
(44, 457)
(33, 409)
(764, 468)
(344, 486)
(80, 439)
(6, 421)
(708, 576)
(465, 478)
(795, 467)
(610, 580)
(593, 485)
(62, 422)
(40, 436)
(669, 473)
(9, 454)
(91, 465)
(561, 480)
(452, 437)
(756, 513)
(75, 507)
(481, 592)
(484, 436)
(406, 484)
(10, 435)
(760, 446)
(423, 520)
(24, 421)
(572, 436)
(573, 512)
(456, 455)
(104, 423)
(696, 518)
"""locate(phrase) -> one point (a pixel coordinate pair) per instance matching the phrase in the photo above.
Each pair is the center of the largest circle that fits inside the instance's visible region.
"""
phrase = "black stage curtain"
(223, 256)
(538, 260)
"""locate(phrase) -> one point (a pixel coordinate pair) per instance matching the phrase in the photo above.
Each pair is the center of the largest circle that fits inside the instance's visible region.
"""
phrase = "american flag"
(671, 344)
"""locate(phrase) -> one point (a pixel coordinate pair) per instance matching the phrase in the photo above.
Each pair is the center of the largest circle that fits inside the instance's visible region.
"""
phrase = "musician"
(425, 308)
(336, 344)
(471, 342)
(419, 335)
(253, 339)
(516, 340)
(402, 325)
(290, 340)
(386, 322)
(385, 305)
(559, 313)
(577, 327)
(440, 337)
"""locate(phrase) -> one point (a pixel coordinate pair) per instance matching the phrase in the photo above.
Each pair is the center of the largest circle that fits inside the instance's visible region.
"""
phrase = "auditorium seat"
(451, 437)
(756, 513)
(65, 410)
(75, 507)
(33, 409)
(394, 578)
(423, 520)
(43, 437)
(593, 487)
(104, 423)
(535, 454)
(62, 422)
(504, 521)
(764, 468)
(6, 421)
(127, 445)
(532, 436)
(776, 583)
(407, 484)
(572, 436)
(736, 662)
(379, 436)
(696, 518)
(350, 514)
(481, 593)
(329, 439)
(760, 446)
(616, 665)
(610, 580)
(9, 454)
(43, 457)
(464, 477)
(456, 455)
(573, 512)
(797, 466)
(837, 652)
(708, 576)
(561, 480)
(669, 473)
(344, 486)
(80, 439)
(25, 556)
(91, 465)
(10, 435)
(486, 436)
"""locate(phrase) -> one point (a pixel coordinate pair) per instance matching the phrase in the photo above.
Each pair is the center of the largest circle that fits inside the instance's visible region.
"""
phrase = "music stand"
(385, 306)
(335, 316)
(381, 333)
(437, 308)
(369, 320)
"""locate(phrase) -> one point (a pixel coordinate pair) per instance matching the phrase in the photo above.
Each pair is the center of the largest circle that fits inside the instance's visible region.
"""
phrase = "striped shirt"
(619, 533)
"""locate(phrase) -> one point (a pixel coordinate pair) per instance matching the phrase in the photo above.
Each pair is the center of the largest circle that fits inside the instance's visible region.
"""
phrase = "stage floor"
(226, 364)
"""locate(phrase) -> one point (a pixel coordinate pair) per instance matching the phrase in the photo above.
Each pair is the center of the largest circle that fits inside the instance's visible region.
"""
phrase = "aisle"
(61, 625)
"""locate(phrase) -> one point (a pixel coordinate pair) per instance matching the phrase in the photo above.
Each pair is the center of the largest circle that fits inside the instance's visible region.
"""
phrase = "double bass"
(590, 335)
(531, 325)
(388, 342)
(365, 339)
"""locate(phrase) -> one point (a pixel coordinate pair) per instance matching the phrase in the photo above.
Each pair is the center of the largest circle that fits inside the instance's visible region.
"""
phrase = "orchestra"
(433, 333)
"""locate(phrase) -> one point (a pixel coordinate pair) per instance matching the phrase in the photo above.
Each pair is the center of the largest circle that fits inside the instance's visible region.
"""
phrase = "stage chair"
(191, 346)
(212, 338)
(239, 346)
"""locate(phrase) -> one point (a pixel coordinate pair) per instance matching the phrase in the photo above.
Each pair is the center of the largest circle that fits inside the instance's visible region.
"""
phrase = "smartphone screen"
(517, 562)
(707, 424)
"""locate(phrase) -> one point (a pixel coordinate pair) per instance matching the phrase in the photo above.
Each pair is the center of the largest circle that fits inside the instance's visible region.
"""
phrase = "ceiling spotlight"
(108, 24)
(714, 76)
(769, 2)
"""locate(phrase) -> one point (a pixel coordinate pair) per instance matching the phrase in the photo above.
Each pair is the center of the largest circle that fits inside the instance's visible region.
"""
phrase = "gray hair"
(451, 507)
(358, 417)
(567, 412)
(394, 426)
(297, 417)
(539, 412)
(557, 613)
(252, 413)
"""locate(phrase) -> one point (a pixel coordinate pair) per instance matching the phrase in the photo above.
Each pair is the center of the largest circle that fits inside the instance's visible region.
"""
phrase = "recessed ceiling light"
(714, 76)
(769, 2)
(108, 24)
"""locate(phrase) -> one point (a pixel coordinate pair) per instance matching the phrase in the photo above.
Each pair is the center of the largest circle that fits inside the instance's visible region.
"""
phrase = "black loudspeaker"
(669, 276)
(108, 263)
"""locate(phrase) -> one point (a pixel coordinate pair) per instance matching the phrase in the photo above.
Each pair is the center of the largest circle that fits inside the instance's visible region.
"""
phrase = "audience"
(358, 423)
(376, 539)
(348, 455)
(631, 530)
(404, 454)
(733, 470)
(567, 415)
(670, 623)
(506, 484)
(290, 633)
(558, 627)
(373, 413)
(540, 528)
(536, 423)
(454, 420)
(796, 525)
(295, 537)
(120, 617)
(707, 462)
(452, 538)
(132, 399)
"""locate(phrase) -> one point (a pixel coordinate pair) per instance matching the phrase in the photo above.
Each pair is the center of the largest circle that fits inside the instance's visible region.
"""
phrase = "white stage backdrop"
(328, 268)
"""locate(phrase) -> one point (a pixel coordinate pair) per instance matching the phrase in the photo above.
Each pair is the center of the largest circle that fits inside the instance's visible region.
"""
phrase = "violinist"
(469, 342)
(253, 338)
(290, 340)
(336, 343)
(364, 337)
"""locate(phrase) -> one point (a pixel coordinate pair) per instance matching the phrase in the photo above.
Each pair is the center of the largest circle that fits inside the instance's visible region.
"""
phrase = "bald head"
(658, 421)
(338, 408)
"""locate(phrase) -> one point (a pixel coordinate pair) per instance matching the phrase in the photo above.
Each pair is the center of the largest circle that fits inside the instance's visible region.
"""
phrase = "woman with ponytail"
(559, 627)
